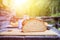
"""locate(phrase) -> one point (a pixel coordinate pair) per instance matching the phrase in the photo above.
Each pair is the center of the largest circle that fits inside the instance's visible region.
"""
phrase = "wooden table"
(15, 34)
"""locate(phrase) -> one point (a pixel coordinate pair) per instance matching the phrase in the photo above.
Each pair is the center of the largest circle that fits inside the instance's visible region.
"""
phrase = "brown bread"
(34, 25)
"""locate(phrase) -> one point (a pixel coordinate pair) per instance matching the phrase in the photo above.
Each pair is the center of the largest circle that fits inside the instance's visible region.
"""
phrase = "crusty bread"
(33, 25)
(15, 24)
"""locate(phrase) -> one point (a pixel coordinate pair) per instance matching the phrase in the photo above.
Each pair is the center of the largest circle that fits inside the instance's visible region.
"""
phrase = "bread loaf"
(33, 25)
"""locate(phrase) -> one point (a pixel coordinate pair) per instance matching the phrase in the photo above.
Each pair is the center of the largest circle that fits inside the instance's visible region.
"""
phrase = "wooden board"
(18, 32)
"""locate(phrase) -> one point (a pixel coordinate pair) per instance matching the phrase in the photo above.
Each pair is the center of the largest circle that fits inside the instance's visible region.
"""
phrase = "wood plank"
(18, 32)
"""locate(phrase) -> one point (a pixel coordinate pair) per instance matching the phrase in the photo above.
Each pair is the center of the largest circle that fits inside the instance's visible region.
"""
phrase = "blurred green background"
(33, 7)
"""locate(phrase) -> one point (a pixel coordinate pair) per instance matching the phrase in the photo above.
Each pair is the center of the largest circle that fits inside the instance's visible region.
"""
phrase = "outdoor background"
(32, 7)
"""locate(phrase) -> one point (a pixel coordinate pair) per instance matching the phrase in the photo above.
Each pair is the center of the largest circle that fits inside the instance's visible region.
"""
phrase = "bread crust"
(27, 20)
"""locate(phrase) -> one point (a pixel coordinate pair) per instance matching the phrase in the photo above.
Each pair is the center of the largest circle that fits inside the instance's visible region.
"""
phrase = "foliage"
(58, 28)
(55, 15)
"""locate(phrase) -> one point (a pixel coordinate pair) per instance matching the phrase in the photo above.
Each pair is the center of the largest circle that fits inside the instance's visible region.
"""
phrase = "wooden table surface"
(16, 34)
(16, 31)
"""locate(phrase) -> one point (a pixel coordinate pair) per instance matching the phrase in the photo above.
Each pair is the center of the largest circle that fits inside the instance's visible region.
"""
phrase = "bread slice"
(33, 25)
